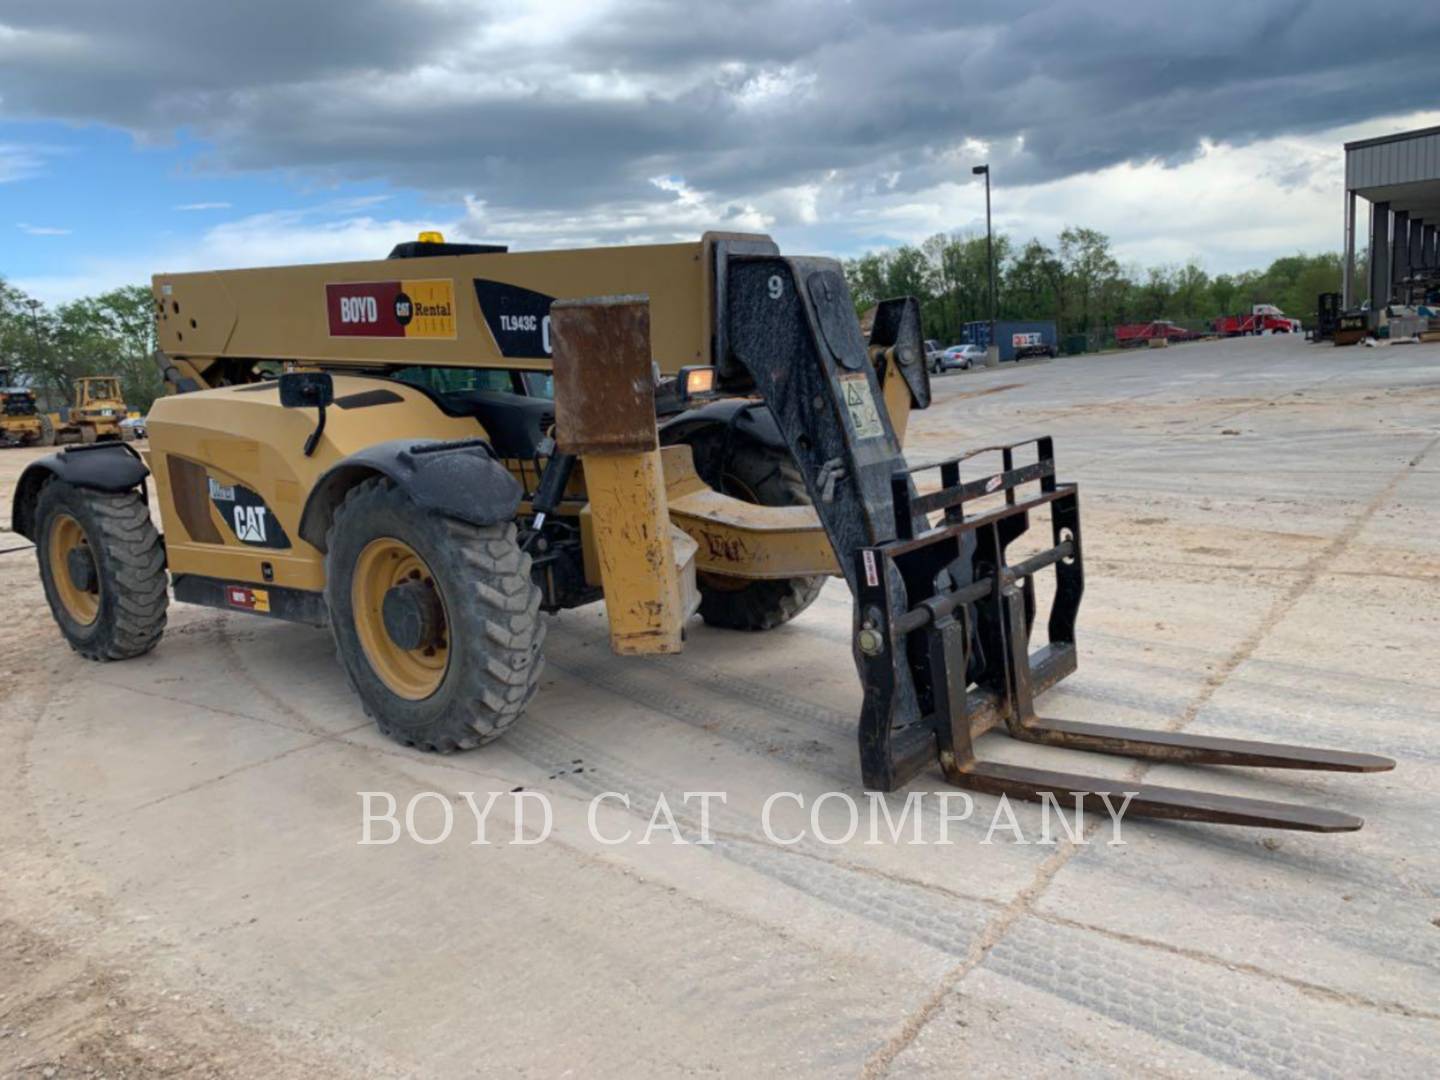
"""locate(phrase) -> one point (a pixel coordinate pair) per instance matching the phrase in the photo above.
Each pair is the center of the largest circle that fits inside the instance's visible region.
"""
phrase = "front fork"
(942, 618)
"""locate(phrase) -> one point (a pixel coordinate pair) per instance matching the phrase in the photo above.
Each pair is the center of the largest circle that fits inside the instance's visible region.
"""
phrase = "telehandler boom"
(427, 453)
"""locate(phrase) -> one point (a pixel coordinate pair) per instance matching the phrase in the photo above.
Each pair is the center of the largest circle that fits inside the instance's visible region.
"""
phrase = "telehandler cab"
(429, 452)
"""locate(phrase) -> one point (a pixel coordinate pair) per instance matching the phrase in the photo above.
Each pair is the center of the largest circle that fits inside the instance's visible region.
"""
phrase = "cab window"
(539, 384)
(449, 380)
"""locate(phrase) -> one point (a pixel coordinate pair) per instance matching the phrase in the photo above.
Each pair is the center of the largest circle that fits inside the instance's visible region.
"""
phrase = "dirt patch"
(62, 1016)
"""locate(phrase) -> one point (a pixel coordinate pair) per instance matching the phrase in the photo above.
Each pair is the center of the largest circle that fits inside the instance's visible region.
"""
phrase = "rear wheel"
(103, 568)
(769, 477)
(437, 622)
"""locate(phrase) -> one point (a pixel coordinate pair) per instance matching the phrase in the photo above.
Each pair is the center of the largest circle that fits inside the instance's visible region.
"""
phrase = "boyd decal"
(400, 309)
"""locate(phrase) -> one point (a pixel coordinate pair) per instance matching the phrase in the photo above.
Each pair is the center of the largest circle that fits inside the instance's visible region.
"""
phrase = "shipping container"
(1017, 338)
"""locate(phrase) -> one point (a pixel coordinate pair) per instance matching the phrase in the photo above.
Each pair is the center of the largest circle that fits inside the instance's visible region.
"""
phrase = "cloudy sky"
(151, 135)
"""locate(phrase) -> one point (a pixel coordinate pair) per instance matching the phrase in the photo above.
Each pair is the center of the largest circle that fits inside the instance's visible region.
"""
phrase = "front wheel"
(769, 477)
(436, 621)
(103, 568)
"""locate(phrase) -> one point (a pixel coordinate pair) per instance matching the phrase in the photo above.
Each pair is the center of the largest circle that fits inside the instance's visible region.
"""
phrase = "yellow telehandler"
(430, 452)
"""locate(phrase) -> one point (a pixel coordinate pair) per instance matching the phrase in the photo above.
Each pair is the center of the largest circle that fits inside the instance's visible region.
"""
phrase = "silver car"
(961, 357)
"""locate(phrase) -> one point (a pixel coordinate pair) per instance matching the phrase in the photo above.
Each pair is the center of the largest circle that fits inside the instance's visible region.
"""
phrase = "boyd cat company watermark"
(786, 818)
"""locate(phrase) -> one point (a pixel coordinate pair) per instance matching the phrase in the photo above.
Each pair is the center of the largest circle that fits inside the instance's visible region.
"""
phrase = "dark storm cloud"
(737, 98)
(154, 64)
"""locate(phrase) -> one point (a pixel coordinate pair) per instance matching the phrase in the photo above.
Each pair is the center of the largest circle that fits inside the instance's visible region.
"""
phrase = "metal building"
(1399, 176)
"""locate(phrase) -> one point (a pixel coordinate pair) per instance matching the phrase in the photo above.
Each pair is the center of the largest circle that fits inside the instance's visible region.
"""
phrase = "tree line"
(47, 348)
(1079, 283)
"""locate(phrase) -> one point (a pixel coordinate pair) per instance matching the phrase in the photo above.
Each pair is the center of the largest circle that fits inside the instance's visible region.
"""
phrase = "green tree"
(110, 334)
(1192, 286)
(1035, 284)
(1079, 284)
(1093, 276)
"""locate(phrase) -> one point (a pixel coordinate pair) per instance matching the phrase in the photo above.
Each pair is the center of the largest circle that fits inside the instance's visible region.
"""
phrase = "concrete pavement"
(180, 832)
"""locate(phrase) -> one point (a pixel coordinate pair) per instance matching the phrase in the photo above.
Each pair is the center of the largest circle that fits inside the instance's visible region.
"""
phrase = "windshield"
(102, 389)
(539, 384)
(450, 380)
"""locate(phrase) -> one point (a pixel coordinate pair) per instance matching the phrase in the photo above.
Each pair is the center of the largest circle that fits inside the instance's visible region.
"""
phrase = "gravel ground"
(183, 891)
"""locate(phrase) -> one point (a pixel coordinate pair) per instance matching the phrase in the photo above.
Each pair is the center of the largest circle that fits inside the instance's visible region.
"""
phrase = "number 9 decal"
(776, 285)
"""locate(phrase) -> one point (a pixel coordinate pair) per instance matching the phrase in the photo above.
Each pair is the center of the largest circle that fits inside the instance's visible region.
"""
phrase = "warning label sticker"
(396, 309)
(248, 599)
(872, 574)
(860, 403)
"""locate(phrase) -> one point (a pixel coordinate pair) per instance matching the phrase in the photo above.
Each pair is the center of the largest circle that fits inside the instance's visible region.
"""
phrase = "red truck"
(1137, 335)
(1263, 319)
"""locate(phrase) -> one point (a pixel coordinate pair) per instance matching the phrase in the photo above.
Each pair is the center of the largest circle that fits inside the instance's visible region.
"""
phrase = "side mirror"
(306, 389)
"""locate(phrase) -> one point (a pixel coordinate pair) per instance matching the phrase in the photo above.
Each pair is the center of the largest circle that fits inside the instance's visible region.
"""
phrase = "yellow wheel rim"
(66, 535)
(413, 674)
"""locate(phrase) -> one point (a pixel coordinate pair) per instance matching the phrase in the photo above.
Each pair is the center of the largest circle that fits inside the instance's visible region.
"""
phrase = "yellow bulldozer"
(93, 416)
(431, 453)
(19, 419)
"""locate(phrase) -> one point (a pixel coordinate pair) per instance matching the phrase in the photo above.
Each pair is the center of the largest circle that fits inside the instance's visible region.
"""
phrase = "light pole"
(992, 351)
(34, 306)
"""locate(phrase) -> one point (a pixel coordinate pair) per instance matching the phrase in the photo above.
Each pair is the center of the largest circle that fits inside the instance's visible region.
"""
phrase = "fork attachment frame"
(943, 620)
(950, 607)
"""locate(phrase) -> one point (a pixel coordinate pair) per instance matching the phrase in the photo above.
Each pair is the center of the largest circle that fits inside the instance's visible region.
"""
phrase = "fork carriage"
(944, 624)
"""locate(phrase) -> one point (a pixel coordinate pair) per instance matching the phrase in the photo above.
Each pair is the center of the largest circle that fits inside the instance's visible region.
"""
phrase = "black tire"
(769, 477)
(493, 626)
(129, 560)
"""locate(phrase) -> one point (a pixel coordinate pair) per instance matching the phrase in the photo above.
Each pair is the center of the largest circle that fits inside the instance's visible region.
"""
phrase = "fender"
(460, 480)
(110, 467)
(755, 423)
